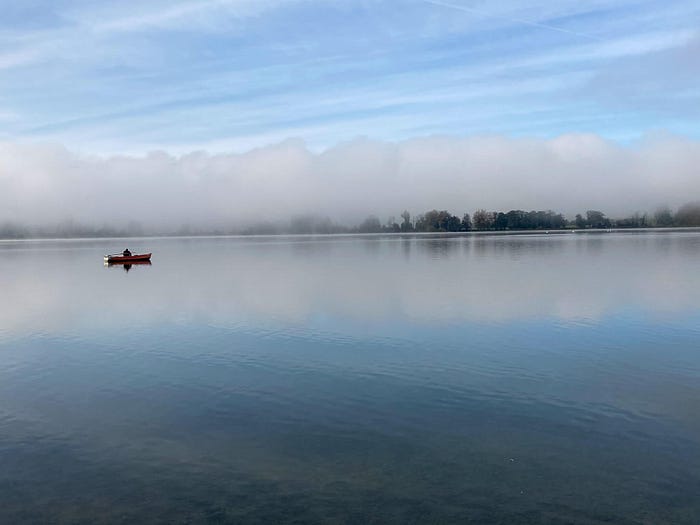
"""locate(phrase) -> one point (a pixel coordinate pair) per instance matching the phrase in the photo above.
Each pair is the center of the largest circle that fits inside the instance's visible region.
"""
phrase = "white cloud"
(571, 173)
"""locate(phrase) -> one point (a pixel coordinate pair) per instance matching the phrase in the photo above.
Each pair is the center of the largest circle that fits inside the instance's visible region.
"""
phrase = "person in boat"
(126, 253)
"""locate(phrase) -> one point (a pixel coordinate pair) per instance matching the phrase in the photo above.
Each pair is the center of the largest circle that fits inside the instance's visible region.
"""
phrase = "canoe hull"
(127, 258)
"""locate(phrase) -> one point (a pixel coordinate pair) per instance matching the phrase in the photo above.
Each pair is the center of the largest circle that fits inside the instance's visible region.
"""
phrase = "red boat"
(118, 258)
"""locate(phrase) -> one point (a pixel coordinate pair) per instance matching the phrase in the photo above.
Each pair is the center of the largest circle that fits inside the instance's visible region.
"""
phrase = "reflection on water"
(126, 266)
(578, 278)
(510, 379)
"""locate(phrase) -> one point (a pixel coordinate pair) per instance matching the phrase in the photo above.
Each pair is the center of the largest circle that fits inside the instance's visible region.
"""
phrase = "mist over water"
(44, 185)
(403, 379)
(303, 346)
(440, 278)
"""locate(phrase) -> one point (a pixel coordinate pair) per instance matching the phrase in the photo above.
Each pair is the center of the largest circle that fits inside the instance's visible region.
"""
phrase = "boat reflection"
(127, 265)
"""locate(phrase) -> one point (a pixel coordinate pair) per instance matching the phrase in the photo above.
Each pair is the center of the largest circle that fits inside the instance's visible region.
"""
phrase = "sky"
(205, 96)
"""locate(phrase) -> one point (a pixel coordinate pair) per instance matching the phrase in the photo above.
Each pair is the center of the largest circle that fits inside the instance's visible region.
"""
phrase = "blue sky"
(220, 112)
(230, 75)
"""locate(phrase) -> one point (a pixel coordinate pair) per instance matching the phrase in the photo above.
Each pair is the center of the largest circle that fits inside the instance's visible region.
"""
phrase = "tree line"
(430, 221)
(483, 220)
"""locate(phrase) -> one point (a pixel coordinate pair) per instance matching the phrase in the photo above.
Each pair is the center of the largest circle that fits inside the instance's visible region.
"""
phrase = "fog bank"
(42, 184)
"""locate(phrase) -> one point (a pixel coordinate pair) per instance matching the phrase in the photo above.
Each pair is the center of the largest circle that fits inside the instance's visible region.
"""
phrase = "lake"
(350, 379)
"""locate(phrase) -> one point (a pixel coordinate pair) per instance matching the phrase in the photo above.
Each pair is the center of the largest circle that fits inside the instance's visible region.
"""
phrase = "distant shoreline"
(432, 221)
(473, 233)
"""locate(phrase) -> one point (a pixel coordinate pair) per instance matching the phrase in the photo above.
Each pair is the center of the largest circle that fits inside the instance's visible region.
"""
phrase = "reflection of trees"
(513, 247)
(443, 277)
(439, 248)
(406, 245)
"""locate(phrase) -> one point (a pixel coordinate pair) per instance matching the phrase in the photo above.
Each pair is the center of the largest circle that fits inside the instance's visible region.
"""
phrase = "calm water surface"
(467, 379)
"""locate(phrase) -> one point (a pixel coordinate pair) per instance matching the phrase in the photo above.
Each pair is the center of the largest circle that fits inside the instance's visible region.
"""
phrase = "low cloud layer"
(47, 184)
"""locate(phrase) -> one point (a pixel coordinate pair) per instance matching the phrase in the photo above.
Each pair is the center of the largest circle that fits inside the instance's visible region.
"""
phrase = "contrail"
(510, 19)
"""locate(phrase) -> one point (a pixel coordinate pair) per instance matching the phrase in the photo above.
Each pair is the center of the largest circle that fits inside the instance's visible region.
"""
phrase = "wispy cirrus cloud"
(104, 77)
(510, 19)
(198, 15)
